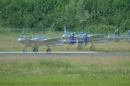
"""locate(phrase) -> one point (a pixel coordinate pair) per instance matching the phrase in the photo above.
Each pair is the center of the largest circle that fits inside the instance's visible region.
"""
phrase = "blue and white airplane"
(83, 38)
(117, 37)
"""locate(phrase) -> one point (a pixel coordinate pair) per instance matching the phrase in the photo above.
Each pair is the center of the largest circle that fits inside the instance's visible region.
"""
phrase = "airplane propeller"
(22, 33)
(77, 43)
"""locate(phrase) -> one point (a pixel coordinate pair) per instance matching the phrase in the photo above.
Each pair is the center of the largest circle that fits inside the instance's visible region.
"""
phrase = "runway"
(65, 54)
(60, 52)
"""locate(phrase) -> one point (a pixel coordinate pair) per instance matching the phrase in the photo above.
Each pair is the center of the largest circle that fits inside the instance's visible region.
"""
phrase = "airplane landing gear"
(92, 47)
(79, 47)
(68, 47)
(48, 50)
(35, 50)
(24, 51)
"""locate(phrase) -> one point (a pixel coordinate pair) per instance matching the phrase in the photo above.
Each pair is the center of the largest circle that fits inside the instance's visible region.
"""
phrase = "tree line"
(87, 15)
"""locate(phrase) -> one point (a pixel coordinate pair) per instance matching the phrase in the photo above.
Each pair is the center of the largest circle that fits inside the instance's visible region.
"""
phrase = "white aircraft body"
(37, 41)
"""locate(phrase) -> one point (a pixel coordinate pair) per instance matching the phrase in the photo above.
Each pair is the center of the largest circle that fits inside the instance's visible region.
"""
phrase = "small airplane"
(83, 38)
(36, 41)
(80, 38)
(117, 37)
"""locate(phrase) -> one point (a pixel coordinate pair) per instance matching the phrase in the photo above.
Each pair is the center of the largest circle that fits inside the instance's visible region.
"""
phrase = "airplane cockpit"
(85, 37)
(72, 36)
(37, 37)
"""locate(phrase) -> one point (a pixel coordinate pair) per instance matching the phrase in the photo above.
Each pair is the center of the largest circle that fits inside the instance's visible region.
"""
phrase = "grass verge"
(65, 70)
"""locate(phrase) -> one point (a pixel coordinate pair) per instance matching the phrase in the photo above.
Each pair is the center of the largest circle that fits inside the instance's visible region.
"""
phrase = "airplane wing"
(97, 38)
(47, 41)
(53, 42)
(117, 38)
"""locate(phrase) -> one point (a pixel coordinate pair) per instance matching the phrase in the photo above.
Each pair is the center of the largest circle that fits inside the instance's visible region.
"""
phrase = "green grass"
(65, 80)
(64, 70)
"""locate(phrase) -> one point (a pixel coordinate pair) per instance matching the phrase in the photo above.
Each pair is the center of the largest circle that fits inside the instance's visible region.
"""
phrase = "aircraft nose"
(20, 39)
(63, 37)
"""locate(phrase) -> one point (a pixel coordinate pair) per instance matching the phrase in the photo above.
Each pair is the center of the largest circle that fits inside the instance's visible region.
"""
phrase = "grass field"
(111, 68)
(103, 69)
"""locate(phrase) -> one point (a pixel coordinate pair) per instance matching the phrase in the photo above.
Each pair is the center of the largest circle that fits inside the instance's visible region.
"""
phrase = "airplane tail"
(116, 33)
(64, 29)
(128, 36)
(22, 33)
(63, 36)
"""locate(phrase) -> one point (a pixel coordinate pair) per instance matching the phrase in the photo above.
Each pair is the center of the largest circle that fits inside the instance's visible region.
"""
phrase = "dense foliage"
(75, 14)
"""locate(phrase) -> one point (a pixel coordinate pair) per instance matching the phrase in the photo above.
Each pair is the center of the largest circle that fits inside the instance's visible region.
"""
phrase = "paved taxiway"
(66, 54)
(73, 52)
(85, 54)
